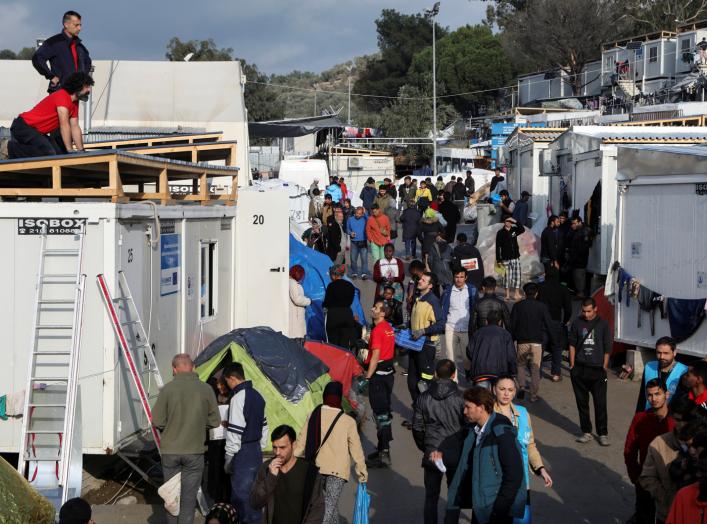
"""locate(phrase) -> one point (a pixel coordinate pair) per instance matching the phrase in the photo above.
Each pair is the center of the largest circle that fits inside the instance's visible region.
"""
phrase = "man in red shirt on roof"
(34, 132)
(381, 374)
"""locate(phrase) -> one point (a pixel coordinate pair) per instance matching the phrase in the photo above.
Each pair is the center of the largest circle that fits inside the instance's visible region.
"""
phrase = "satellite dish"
(188, 57)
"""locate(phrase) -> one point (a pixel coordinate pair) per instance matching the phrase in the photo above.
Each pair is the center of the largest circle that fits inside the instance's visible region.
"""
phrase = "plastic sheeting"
(283, 360)
(529, 246)
(316, 278)
(278, 410)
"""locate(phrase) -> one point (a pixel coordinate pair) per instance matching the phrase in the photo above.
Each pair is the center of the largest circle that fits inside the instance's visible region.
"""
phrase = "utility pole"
(349, 68)
(432, 15)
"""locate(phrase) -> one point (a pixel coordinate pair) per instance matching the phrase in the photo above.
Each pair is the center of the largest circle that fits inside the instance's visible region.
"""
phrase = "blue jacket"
(358, 226)
(57, 51)
(368, 195)
(335, 191)
(446, 297)
(495, 485)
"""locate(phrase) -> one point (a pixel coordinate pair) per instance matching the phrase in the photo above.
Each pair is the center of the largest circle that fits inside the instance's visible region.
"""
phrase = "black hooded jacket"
(438, 420)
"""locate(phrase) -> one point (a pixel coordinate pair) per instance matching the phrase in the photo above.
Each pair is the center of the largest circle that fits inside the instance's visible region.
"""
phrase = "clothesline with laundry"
(685, 315)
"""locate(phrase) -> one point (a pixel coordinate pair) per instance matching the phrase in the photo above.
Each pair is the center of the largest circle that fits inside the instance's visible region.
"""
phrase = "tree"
(262, 101)
(564, 34)
(203, 51)
(400, 38)
(471, 58)
(23, 54)
(662, 15)
(410, 115)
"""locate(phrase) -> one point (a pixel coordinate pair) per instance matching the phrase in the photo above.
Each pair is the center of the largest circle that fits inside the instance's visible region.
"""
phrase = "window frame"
(208, 275)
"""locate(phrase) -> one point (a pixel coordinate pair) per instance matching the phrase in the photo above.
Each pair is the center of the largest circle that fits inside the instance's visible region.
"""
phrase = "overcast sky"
(278, 35)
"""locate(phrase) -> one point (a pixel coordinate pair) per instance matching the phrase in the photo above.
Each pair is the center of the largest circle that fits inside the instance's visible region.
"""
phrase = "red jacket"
(686, 509)
(645, 426)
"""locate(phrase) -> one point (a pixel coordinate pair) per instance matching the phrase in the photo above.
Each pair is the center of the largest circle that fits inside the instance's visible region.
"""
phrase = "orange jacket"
(375, 226)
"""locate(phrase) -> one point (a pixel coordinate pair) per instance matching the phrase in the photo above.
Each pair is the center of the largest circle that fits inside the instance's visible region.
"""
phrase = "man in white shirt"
(457, 303)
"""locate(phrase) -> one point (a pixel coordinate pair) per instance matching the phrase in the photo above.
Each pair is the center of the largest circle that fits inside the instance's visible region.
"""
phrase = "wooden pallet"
(107, 173)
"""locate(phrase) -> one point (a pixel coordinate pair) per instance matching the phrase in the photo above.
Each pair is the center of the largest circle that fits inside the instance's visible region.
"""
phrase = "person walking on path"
(185, 410)
(386, 203)
(368, 194)
(289, 489)
(426, 321)
(356, 226)
(491, 353)
(335, 237)
(64, 53)
(246, 435)
(430, 229)
(377, 232)
(410, 219)
(530, 320)
(340, 323)
(507, 205)
(522, 209)
(329, 439)
(578, 243)
(457, 303)
(487, 303)
(469, 183)
(505, 390)
(490, 475)
(551, 244)
(298, 303)
(558, 301)
(645, 427)
(666, 369)
(406, 193)
(380, 378)
(590, 341)
(450, 213)
(468, 257)
(389, 271)
(52, 126)
(423, 192)
(508, 254)
(438, 429)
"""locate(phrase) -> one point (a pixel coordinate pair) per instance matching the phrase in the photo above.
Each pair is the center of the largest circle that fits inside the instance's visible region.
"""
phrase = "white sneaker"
(584, 438)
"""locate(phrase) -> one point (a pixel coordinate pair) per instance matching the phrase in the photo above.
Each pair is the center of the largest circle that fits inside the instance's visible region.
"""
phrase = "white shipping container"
(660, 240)
(184, 282)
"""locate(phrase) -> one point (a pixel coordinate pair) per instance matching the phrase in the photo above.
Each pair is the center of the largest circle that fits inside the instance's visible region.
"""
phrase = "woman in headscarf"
(505, 391)
(298, 303)
(341, 326)
(221, 513)
(330, 439)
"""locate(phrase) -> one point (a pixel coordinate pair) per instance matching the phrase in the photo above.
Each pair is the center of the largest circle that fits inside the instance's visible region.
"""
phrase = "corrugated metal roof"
(539, 134)
(109, 134)
(696, 150)
(638, 134)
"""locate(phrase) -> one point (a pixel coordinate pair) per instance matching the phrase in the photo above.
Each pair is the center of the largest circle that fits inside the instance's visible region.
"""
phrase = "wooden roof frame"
(155, 140)
(104, 174)
(693, 26)
(196, 152)
(696, 120)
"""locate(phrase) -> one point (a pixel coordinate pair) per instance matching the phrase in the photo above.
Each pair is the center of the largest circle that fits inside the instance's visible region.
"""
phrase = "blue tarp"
(316, 278)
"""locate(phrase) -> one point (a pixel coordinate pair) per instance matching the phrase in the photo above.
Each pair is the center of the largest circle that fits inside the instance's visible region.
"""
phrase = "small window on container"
(208, 285)
(653, 54)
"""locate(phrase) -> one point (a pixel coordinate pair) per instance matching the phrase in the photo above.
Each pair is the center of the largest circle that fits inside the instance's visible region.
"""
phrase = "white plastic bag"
(170, 492)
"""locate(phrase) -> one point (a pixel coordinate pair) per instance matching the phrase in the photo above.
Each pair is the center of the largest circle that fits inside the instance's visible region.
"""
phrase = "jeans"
(586, 380)
(192, 469)
(359, 251)
(530, 354)
(376, 252)
(410, 247)
(244, 468)
(455, 343)
(579, 279)
(380, 391)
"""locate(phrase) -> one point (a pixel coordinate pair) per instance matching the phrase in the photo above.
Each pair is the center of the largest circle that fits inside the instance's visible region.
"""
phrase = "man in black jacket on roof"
(65, 53)
(438, 430)
(557, 298)
(530, 320)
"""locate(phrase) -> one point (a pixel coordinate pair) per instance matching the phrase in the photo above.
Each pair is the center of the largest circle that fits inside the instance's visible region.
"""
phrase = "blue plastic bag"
(363, 502)
(526, 516)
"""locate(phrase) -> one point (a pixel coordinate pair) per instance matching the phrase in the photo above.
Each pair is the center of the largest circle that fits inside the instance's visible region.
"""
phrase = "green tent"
(19, 502)
(278, 410)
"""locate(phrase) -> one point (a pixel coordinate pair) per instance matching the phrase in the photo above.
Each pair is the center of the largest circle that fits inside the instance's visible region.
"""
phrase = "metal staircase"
(50, 430)
(629, 87)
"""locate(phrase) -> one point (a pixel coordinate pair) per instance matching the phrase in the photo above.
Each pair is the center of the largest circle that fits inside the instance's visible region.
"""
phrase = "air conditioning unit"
(355, 163)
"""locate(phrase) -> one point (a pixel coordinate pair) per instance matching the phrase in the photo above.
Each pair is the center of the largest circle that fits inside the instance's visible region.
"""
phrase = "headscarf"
(338, 270)
(429, 213)
(224, 513)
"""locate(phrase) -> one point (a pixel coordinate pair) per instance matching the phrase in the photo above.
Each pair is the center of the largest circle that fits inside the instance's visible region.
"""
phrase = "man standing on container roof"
(65, 53)
(52, 126)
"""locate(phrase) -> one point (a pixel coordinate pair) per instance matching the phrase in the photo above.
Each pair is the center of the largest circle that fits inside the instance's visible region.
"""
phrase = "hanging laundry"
(685, 317)
(15, 404)
(648, 301)
(3, 401)
(624, 280)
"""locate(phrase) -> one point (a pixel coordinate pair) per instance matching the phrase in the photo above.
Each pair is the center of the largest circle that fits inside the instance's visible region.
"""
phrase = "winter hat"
(429, 213)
